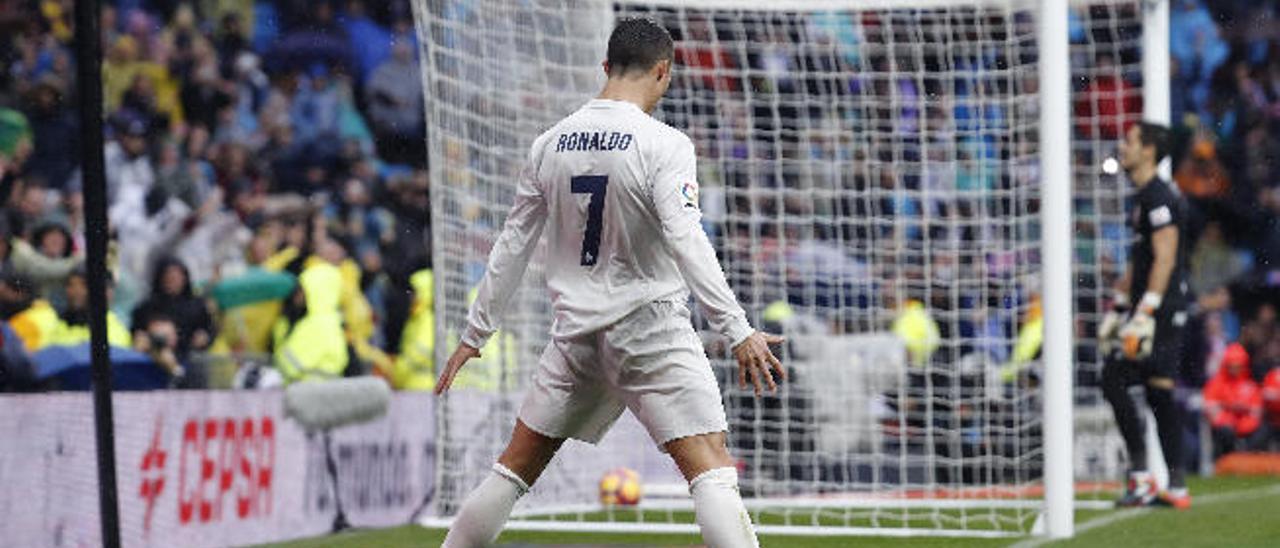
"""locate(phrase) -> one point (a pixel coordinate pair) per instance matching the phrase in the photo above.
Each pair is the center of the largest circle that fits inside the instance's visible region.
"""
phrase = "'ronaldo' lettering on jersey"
(617, 193)
(593, 141)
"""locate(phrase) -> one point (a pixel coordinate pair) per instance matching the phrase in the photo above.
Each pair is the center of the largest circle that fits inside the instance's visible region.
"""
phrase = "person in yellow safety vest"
(37, 326)
(1029, 340)
(312, 346)
(357, 314)
(73, 322)
(73, 334)
(415, 365)
(918, 331)
(32, 319)
(249, 328)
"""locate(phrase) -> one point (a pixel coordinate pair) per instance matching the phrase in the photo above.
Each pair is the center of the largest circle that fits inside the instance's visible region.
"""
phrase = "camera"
(158, 342)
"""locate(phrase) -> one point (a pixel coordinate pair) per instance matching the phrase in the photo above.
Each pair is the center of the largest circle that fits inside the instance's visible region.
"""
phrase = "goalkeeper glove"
(1109, 329)
(1138, 333)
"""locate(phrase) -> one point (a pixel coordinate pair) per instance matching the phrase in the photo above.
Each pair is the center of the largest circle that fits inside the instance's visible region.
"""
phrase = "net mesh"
(869, 178)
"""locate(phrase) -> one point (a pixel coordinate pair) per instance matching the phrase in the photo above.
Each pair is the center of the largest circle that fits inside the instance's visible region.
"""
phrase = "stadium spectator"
(309, 340)
(918, 331)
(177, 39)
(313, 35)
(141, 98)
(74, 315)
(1214, 263)
(158, 338)
(16, 371)
(1199, 49)
(172, 297)
(125, 68)
(709, 67)
(1029, 341)
(1271, 409)
(128, 163)
(1257, 334)
(252, 87)
(315, 107)
(30, 205)
(1200, 175)
(145, 232)
(414, 365)
(203, 93)
(47, 259)
(32, 319)
(1211, 331)
(395, 106)
(55, 133)
(1110, 104)
(230, 41)
(371, 41)
(1233, 403)
(185, 177)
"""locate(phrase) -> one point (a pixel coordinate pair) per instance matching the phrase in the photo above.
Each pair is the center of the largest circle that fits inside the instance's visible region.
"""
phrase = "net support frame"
(1155, 68)
(1056, 211)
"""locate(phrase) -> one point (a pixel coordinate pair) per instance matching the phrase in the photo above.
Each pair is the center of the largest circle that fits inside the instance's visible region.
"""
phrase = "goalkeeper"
(1141, 336)
(615, 190)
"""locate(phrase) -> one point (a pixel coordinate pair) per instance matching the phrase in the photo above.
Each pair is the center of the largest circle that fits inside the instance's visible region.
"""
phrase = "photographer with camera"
(159, 339)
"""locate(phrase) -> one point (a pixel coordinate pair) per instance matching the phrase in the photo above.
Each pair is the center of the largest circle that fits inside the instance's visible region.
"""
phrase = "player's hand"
(1112, 321)
(1108, 331)
(755, 359)
(459, 358)
(1139, 332)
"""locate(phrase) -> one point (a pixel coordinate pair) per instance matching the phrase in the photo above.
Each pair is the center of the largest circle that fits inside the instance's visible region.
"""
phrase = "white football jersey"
(618, 191)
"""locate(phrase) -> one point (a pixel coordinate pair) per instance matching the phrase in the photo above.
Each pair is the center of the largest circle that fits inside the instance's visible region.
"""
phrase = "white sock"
(718, 508)
(486, 510)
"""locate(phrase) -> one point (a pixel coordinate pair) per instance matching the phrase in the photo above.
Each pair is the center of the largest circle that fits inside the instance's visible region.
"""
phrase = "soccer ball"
(620, 487)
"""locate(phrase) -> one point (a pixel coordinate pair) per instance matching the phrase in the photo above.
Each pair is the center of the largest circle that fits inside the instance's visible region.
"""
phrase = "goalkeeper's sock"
(1169, 426)
(718, 508)
(486, 510)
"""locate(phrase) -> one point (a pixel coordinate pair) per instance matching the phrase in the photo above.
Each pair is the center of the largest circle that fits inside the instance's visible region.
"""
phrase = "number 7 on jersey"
(596, 186)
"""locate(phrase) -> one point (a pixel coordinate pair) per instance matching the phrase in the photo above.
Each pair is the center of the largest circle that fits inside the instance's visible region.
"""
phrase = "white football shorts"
(650, 362)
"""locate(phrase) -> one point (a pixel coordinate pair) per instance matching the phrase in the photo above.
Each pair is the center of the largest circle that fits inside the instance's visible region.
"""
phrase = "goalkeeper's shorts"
(650, 362)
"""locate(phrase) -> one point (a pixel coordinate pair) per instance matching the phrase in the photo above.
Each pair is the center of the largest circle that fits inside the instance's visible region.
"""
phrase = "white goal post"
(900, 186)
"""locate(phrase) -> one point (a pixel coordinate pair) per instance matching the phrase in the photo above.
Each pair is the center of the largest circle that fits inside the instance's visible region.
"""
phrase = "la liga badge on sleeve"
(690, 193)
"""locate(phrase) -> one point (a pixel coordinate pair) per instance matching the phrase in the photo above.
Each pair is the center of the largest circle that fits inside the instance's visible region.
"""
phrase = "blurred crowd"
(265, 166)
(1226, 108)
(268, 193)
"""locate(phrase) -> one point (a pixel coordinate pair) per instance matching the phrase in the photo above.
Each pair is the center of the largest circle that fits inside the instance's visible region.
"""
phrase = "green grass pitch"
(1237, 512)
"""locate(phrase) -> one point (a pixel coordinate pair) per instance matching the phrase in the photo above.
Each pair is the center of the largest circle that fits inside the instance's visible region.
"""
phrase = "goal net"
(869, 177)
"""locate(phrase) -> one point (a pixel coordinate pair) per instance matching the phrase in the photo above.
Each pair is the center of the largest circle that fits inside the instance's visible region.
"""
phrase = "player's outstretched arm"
(459, 358)
(507, 260)
(675, 199)
(758, 362)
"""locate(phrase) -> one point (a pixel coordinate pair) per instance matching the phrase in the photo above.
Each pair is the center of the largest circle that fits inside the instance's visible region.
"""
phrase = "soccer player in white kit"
(615, 190)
